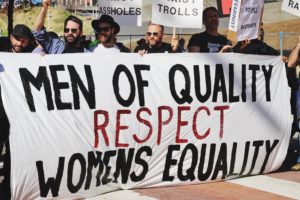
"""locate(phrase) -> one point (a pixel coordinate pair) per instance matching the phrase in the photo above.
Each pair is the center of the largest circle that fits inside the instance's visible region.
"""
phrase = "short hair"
(161, 26)
(204, 13)
(74, 19)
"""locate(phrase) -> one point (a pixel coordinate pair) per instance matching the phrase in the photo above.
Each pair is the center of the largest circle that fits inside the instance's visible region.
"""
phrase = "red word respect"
(121, 127)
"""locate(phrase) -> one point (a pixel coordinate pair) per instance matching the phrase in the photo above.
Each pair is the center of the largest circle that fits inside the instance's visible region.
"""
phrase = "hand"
(226, 48)
(174, 43)
(284, 59)
(245, 43)
(47, 2)
(142, 52)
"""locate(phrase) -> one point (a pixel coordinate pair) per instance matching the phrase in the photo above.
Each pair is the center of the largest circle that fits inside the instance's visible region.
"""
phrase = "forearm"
(40, 20)
(293, 60)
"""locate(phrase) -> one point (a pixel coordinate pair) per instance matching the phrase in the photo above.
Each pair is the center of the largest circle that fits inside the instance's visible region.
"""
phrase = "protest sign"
(86, 124)
(245, 19)
(182, 14)
(234, 20)
(291, 6)
(126, 12)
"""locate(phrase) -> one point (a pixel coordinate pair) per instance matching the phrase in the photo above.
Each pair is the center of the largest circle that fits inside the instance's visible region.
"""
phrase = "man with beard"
(210, 40)
(106, 30)
(21, 40)
(154, 37)
(52, 45)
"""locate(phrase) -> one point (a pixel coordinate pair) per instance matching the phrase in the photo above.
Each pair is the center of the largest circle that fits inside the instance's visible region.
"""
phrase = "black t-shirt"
(208, 43)
(165, 47)
(70, 49)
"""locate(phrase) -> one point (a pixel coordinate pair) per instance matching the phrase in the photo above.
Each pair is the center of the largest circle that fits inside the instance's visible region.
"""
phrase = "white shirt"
(106, 50)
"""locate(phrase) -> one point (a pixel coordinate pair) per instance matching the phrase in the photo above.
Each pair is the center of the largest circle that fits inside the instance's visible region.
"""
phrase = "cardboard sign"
(182, 14)
(245, 19)
(291, 6)
(83, 124)
(126, 12)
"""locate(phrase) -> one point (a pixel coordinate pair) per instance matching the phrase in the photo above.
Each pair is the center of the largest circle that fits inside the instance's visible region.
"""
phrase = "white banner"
(85, 124)
(291, 6)
(125, 12)
(249, 21)
(182, 14)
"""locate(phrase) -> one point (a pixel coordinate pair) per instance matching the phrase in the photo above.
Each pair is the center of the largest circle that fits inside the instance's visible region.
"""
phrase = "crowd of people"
(39, 40)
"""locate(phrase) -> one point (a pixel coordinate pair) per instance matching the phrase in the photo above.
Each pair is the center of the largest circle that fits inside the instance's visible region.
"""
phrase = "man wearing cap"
(21, 40)
(106, 30)
(72, 34)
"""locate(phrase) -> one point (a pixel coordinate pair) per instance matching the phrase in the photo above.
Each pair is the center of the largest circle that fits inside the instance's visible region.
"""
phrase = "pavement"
(280, 185)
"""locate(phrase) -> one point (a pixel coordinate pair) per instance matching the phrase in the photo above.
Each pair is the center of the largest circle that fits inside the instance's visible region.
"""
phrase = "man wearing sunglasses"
(72, 34)
(106, 30)
(154, 37)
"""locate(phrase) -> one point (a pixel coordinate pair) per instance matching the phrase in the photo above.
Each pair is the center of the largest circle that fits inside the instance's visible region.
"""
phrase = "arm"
(293, 60)
(194, 43)
(40, 20)
(194, 49)
(174, 43)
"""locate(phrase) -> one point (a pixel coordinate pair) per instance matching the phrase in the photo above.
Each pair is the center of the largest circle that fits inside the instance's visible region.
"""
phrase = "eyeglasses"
(73, 30)
(155, 34)
(104, 29)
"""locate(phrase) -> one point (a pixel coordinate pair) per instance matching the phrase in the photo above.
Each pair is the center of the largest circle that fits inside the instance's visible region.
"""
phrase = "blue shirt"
(50, 44)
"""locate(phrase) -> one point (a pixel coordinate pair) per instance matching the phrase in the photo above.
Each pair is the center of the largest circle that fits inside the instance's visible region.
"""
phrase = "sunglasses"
(103, 29)
(73, 30)
(155, 34)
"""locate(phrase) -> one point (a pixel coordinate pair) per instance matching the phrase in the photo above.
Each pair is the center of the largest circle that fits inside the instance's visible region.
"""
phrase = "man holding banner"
(210, 40)
(106, 30)
(52, 45)
(293, 62)
(154, 37)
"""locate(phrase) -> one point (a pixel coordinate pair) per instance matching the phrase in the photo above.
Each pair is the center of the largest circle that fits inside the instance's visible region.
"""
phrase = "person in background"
(21, 40)
(154, 36)
(72, 42)
(121, 46)
(140, 42)
(293, 61)
(255, 46)
(209, 41)
(181, 45)
(106, 30)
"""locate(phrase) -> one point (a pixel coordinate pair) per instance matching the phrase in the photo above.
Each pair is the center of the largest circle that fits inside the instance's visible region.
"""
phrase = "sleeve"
(193, 41)
(50, 44)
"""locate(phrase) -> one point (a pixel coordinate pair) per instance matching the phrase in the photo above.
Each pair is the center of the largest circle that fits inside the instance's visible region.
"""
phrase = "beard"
(154, 43)
(17, 49)
(20, 49)
(105, 38)
(71, 40)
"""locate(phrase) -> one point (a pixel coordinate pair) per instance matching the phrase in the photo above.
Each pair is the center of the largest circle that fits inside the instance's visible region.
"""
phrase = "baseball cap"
(21, 30)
